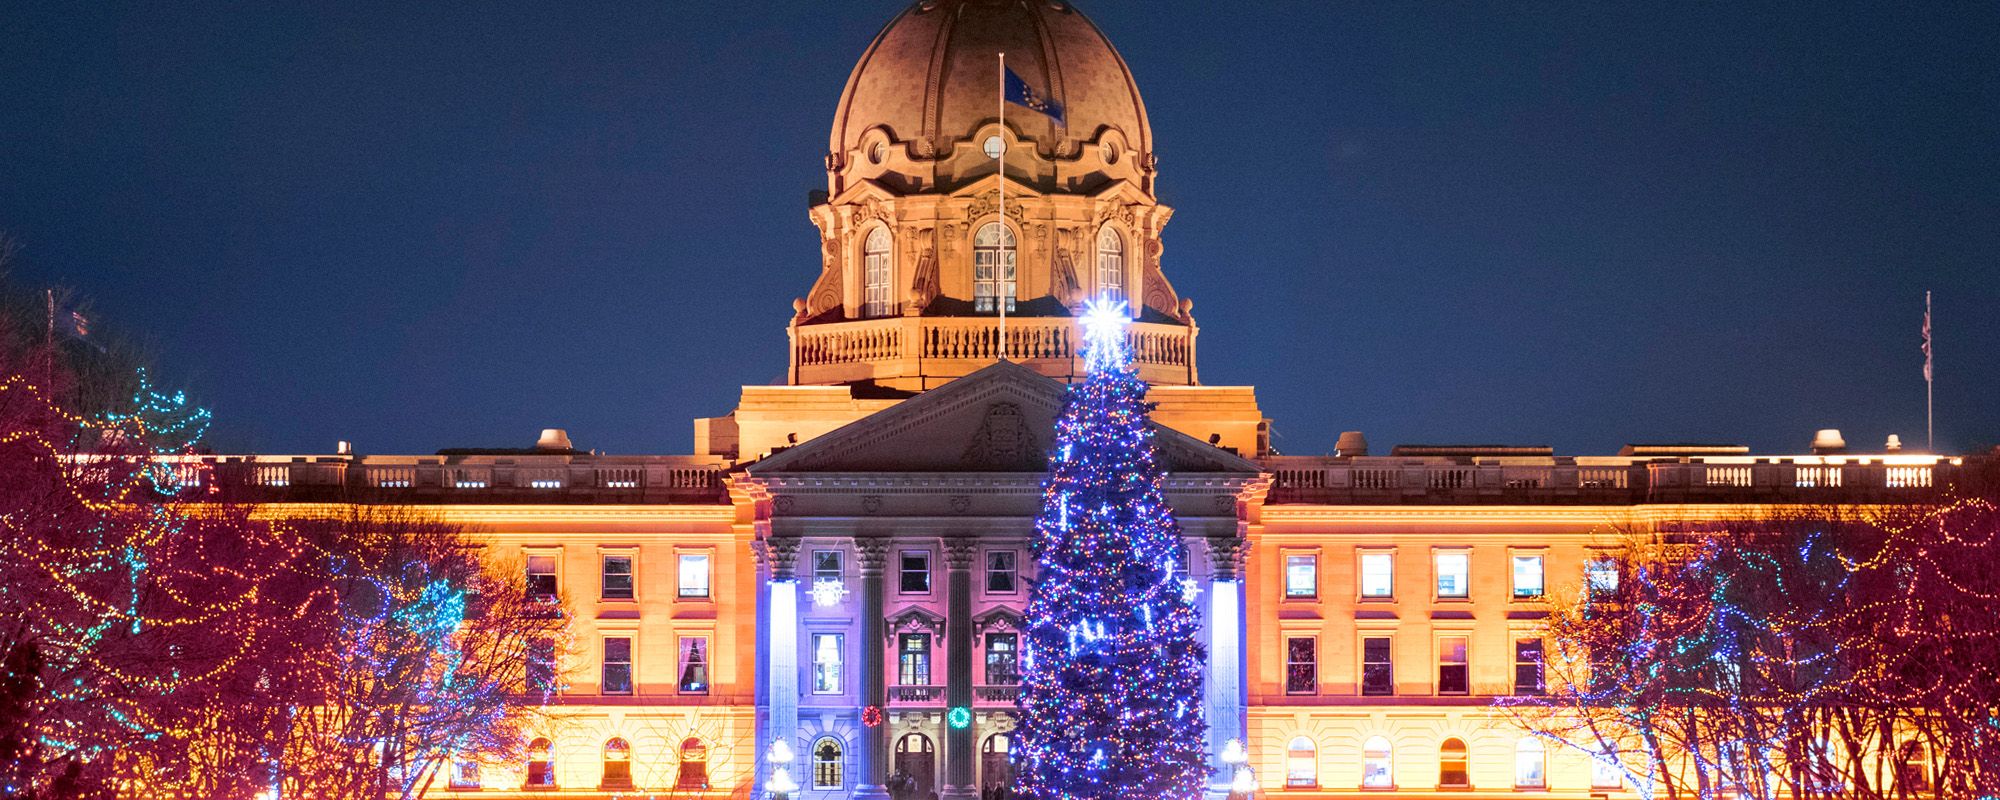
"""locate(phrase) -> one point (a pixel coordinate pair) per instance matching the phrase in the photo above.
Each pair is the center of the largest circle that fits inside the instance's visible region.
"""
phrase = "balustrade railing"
(1362, 480)
(916, 694)
(909, 346)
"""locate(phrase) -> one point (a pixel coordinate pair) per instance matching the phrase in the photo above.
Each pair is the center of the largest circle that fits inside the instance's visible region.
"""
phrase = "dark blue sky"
(417, 226)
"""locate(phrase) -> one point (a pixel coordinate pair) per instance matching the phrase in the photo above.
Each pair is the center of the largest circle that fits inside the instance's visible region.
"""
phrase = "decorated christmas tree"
(1111, 689)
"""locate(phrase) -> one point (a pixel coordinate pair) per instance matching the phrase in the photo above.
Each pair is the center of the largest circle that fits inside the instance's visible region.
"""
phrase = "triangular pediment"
(999, 419)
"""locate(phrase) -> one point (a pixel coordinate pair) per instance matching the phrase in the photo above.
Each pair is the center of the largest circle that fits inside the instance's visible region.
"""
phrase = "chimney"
(1828, 442)
(1351, 443)
(553, 439)
(343, 448)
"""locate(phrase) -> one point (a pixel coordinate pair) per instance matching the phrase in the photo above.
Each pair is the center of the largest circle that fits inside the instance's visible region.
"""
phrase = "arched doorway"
(916, 760)
(996, 767)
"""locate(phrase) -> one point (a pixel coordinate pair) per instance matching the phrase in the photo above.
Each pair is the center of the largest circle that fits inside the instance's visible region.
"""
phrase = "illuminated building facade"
(844, 562)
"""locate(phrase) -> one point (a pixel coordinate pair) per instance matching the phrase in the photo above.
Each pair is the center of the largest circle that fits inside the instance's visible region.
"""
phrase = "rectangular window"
(913, 659)
(1601, 574)
(826, 655)
(1605, 772)
(1527, 577)
(694, 575)
(1301, 665)
(916, 573)
(465, 775)
(1378, 575)
(1301, 576)
(1002, 571)
(617, 578)
(617, 665)
(1452, 666)
(827, 566)
(542, 576)
(1003, 659)
(541, 670)
(1378, 669)
(694, 665)
(1454, 570)
(1527, 666)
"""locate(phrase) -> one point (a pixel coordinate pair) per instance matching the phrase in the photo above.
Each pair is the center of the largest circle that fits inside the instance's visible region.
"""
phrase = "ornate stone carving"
(779, 554)
(924, 281)
(958, 553)
(961, 503)
(871, 503)
(1003, 441)
(1226, 555)
(872, 554)
(784, 504)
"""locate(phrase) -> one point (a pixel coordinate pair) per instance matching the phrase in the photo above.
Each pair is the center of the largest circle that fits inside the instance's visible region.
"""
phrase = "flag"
(1927, 336)
(1020, 94)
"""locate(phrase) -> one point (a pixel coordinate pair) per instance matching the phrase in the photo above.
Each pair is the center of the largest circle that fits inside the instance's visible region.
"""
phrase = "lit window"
(1527, 577)
(1001, 571)
(542, 576)
(617, 765)
(1110, 265)
(827, 763)
(694, 765)
(1606, 772)
(1454, 571)
(1378, 766)
(1602, 576)
(877, 294)
(541, 669)
(993, 255)
(1454, 765)
(617, 578)
(1378, 574)
(1003, 659)
(1528, 666)
(465, 774)
(1378, 669)
(915, 575)
(1301, 764)
(1301, 665)
(1302, 576)
(541, 768)
(694, 665)
(617, 665)
(1913, 769)
(1452, 665)
(829, 580)
(1528, 764)
(826, 663)
(913, 659)
(694, 575)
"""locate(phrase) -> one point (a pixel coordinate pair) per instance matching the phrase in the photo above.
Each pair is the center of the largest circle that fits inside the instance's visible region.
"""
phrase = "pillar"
(872, 744)
(1226, 701)
(782, 670)
(959, 748)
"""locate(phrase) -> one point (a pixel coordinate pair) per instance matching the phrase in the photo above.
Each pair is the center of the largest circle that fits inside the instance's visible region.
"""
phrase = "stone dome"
(930, 81)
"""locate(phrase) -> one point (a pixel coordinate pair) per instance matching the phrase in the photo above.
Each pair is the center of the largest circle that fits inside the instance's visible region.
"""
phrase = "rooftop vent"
(1351, 443)
(1828, 442)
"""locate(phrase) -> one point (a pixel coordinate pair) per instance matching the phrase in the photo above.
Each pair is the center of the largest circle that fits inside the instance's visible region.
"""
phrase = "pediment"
(999, 419)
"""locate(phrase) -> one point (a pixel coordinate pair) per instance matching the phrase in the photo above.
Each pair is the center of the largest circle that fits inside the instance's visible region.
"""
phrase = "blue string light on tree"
(1111, 685)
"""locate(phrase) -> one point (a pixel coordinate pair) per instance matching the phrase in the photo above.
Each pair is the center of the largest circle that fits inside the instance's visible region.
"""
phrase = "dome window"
(876, 275)
(877, 152)
(1110, 265)
(994, 146)
(993, 254)
(1110, 152)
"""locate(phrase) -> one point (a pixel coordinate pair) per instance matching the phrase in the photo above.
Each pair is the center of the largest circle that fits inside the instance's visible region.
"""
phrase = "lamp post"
(780, 786)
(1243, 782)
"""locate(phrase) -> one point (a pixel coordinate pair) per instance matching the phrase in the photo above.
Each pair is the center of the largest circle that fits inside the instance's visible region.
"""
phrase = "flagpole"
(1000, 171)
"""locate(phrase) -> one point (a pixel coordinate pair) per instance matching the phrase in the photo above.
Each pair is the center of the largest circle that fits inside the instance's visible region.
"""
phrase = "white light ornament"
(1104, 333)
(828, 592)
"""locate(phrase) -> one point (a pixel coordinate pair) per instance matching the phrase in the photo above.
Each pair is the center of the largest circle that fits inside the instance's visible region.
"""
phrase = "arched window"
(617, 765)
(1378, 769)
(694, 765)
(541, 768)
(828, 763)
(1301, 764)
(1913, 768)
(996, 766)
(993, 257)
(1529, 764)
(1110, 265)
(878, 278)
(1454, 766)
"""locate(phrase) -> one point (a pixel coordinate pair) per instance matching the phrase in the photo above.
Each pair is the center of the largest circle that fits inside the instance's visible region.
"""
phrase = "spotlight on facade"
(780, 786)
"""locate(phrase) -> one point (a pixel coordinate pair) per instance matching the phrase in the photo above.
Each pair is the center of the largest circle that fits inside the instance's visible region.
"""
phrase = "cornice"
(512, 513)
(1486, 515)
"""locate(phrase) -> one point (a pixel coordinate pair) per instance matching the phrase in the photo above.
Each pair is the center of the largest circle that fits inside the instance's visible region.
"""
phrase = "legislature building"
(843, 562)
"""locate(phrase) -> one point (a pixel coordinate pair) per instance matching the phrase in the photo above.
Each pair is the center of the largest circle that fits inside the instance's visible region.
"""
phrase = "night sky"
(1582, 225)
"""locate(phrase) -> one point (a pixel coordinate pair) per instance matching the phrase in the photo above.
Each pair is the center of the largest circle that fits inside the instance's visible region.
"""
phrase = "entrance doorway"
(996, 769)
(917, 760)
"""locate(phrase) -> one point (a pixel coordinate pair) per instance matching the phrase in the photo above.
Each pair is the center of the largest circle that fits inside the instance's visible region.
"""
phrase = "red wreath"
(872, 716)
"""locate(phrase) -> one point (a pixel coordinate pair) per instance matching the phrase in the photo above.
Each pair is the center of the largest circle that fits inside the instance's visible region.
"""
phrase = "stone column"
(1226, 700)
(782, 674)
(872, 744)
(959, 749)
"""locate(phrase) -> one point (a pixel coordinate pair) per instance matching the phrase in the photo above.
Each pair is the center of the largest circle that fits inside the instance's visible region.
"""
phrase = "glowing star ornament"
(828, 592)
